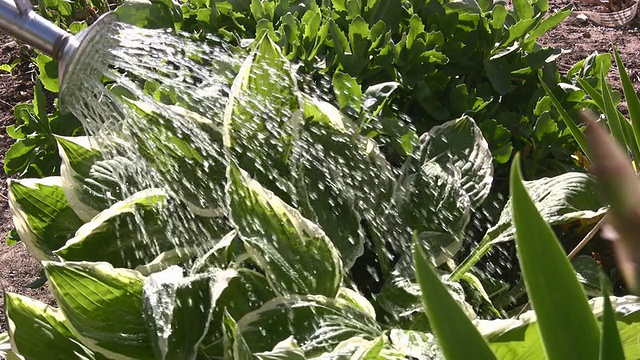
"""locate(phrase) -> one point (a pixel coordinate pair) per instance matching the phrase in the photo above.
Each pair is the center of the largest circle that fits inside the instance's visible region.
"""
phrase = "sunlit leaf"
(36, 328)
(42, 216)
(103, 306)
(295, 253)
(318, 324)
(544, 262)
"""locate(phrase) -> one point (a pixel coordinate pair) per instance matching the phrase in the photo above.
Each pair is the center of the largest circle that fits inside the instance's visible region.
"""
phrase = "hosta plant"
(289, 234)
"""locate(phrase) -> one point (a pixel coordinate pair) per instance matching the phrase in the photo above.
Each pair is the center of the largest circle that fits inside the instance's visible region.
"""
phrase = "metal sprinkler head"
(20, 20)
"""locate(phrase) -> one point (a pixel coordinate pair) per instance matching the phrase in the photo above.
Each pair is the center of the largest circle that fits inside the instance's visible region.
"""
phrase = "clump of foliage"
(289, 270)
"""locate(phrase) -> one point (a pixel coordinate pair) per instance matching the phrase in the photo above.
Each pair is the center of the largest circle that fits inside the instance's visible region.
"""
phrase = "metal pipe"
(19, 20)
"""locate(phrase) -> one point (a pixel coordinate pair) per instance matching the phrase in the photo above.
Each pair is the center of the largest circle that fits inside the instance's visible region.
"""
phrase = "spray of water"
(162, 111)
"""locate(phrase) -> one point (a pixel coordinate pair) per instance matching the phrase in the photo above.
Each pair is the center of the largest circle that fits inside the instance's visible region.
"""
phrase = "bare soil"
(17, 268)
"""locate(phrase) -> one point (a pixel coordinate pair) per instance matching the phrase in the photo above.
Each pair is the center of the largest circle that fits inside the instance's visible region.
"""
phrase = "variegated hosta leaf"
(359, 348)
(415, 344)
(181, 147)
(323, 193)
(103, 306)
(114, 235)
(560, 199)
(41, 214)
(246, 292)
(135, 231)
(40, 331)
(400, 297)
(263, 115)
(222, 255)
(180, 308)
(295, 253)
(520, 338)
(235, 347)
(357, 301)
(90, 183)
(460, 144)
(591, 275)
(432, 204)
(286, 349)
(317, 323)
(340, 177)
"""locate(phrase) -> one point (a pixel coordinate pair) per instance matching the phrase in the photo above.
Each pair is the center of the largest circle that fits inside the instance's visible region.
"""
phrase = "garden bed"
(17, 269)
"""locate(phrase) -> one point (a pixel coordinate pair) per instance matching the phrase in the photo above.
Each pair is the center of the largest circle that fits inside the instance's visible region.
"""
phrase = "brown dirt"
(17, 268)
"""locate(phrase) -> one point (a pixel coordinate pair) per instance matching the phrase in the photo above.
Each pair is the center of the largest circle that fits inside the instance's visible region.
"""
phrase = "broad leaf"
(89, 182)
(419, 345)
(459, 144)
(41, 214)
(36, 329)
(285, 350)
(544, 262)
(560, 199)
(295, 253)
(433, 204)
(263, 113)
(318, 324)
(235, 347)
(245, 292)
(180, 308)
(114, 235)
(103, 306)
(323, 191)
(456, 334)
(610, 345)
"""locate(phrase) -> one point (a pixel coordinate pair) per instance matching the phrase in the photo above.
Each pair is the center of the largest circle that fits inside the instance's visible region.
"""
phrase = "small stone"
(586, 35)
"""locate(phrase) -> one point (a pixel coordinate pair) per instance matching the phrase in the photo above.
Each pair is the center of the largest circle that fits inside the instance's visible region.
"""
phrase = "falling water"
(162, 113)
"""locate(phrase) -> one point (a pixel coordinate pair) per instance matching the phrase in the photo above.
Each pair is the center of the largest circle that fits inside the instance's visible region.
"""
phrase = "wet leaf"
(103, 306)
(36, 328)
(43, 218)
(295, 253)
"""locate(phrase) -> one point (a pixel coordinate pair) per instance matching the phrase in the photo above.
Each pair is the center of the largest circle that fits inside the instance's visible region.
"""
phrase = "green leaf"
(432, 204)
(307, 318)
(633, 103)
(523, 9)
(114, 234)
(325, 193)
(48, 72)
(544, 262)
(103, 306)
(146, 14)
(416, 344)
(357, 301)
(245, 292)
(39, 331)
(610, 345)
(460, 145)
(559, 200)
(43, 219)
(262, 112)
(295, 253)
(456, 334)
(347, 91)
(168, 303)
(284, 350)
(590, 275)
(90, 183)
(235, 347)
(612, 116)
(499, 73)
(571, 125)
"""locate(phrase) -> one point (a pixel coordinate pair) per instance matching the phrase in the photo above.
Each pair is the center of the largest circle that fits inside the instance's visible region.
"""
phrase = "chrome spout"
(19, 19)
